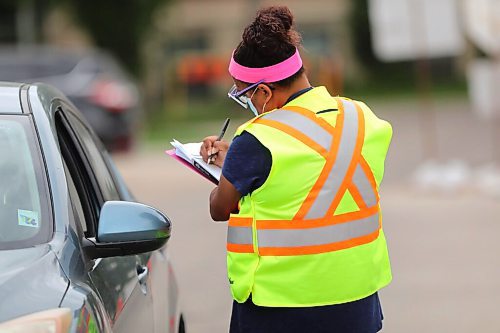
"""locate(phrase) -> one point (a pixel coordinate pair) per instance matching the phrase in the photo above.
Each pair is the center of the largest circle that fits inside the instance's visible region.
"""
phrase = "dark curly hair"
(268, 40)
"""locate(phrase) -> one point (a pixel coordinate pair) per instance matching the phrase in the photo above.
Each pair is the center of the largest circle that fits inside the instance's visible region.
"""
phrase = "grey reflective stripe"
(239, 235)
(304, 125)
(339, 170)
(364, 187)
(320, 235)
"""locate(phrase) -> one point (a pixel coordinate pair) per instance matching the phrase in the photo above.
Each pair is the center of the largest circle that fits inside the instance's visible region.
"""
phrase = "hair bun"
(276, 14)
(272, 31)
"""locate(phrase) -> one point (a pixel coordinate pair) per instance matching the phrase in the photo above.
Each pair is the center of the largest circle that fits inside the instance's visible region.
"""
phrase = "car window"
(24, 199)
(84, 195)
(95, 158)
(76, 202)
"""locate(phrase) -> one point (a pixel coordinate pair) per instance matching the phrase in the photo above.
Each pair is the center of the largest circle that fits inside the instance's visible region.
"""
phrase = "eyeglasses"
(240, 97)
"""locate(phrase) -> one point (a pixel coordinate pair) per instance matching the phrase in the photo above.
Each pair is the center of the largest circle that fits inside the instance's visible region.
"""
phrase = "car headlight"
(51, 321)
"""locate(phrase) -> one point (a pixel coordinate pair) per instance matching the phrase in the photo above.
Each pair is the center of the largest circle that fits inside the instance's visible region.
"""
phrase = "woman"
(299, 186)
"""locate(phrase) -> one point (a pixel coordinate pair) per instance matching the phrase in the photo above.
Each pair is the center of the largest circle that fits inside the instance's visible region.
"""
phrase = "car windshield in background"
(18, 67)
(24, 205)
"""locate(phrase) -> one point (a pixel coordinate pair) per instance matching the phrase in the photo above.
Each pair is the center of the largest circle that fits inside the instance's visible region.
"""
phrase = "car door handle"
(142, 276)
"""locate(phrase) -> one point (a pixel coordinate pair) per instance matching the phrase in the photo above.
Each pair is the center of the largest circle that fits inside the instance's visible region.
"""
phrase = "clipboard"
(188, 155)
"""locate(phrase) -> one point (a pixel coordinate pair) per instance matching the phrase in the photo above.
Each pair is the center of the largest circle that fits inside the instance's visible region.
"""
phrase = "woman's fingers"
(212, 155)
(211, 149)
(206, 146)
(219, 153)
(221, 145)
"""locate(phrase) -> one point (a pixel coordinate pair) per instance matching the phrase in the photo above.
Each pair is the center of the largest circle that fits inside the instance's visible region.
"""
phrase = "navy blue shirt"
(247, 166)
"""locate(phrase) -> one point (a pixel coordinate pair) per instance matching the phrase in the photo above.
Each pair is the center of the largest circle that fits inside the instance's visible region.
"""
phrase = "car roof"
(10, 97)
(15, 98)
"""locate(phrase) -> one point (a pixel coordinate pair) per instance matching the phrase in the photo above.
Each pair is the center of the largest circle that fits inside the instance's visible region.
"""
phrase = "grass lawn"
(192, 121)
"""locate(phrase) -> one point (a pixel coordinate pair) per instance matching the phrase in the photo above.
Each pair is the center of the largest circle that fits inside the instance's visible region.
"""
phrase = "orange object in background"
(201, 69)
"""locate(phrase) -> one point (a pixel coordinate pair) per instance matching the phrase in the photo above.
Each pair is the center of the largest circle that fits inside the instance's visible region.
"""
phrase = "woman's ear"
(265, 88)
(268, 94)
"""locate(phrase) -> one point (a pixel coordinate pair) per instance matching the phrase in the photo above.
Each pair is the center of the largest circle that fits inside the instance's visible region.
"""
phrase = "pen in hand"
(223, 130)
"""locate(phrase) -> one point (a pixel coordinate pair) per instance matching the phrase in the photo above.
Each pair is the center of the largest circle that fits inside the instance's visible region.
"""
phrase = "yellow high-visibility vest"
(312, 233)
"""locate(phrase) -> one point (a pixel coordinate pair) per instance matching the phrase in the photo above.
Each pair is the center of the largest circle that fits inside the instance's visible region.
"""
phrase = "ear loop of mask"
(250, 104)
(264, 106)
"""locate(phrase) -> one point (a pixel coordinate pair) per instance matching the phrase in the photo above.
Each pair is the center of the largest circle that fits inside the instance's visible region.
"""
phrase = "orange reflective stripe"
(315, 228)
(240, 248)
(237, 221)
(318, 236)
(356, 195)
(316, 249)
(330, 161)
(369, 175)
(315, 223)
(294, 133)
(304, 125)
(311, 115)
(354, 162)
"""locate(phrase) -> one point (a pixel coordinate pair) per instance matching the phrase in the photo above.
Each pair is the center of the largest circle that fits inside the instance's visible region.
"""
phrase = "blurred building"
(197, 38)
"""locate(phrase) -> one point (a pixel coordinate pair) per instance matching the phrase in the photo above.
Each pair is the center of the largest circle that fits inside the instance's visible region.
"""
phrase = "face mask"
(252, 107)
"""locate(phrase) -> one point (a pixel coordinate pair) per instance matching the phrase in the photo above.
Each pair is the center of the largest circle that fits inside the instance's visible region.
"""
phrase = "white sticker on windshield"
(27, 218)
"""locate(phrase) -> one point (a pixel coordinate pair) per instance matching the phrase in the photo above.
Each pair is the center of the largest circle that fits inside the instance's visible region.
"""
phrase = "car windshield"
(24, 210)
(34, 64)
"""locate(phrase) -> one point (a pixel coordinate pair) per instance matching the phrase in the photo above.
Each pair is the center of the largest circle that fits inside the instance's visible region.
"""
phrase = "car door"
(121, 282)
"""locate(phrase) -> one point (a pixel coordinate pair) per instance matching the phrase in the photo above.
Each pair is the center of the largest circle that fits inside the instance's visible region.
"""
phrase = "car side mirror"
(127, 228)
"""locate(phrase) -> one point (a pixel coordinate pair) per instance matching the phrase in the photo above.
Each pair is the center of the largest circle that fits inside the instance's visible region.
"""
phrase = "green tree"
(117, 26)
(360, 26)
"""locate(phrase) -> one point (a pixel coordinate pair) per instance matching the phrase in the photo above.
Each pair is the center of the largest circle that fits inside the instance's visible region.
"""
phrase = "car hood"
(31, 280)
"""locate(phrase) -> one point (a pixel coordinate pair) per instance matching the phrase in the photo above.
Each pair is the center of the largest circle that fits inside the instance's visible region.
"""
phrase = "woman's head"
(270, 40)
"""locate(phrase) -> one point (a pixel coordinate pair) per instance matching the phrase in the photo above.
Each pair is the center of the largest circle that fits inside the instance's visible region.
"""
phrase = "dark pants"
(362, 316)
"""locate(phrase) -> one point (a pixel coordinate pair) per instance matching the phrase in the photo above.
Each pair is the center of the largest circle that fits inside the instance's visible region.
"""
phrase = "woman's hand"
(214, 148)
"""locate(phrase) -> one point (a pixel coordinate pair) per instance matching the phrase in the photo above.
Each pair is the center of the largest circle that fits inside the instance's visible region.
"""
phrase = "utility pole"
(428, 126)
(29, 21)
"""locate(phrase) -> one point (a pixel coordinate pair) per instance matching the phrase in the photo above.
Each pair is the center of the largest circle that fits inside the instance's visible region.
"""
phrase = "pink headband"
(273, 73)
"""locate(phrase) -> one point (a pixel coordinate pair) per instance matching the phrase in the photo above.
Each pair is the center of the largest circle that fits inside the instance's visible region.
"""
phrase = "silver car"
(78, 254)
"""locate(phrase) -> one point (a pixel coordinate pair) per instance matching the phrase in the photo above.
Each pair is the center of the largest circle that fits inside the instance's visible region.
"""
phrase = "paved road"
(443, 245)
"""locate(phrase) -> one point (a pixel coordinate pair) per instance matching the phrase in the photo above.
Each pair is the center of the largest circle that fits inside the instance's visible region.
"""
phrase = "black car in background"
(91, 79)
